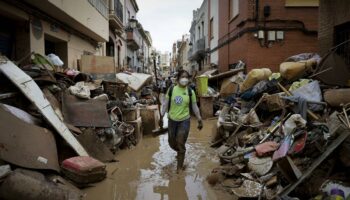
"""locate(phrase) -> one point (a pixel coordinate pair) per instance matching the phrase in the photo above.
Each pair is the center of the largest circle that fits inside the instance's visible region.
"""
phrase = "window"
(234, 8)
(202, 29)
(211, 28)
(199, 32)
(128, 15)
(341, 35)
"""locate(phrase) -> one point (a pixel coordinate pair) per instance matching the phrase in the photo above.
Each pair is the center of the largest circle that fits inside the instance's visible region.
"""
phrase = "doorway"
(57, 47)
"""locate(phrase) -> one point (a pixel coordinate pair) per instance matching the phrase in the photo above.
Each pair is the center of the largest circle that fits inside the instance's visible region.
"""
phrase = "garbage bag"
(304, 56)
(310, 92)
(291, 70)
(80, 90)
(254, 77)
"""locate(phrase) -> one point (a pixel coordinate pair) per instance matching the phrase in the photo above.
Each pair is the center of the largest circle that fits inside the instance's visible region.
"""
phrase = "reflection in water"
(161, 180)
(174, 190)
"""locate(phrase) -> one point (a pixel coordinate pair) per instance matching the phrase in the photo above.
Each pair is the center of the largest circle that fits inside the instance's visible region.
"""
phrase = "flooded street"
(149, 171)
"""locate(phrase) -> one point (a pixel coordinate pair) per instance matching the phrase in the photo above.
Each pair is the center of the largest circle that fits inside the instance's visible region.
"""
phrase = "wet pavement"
(149, 171)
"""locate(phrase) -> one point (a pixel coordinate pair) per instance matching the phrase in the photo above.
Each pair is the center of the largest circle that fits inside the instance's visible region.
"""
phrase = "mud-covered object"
(85, 113)
(26, 145)
(260, 166)
(20, 185)
(249, 189)
(94, 146)
(84, 170)
(259, 89)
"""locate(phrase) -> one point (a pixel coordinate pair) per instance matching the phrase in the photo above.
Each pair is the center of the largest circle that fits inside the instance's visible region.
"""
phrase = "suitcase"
(84, 170)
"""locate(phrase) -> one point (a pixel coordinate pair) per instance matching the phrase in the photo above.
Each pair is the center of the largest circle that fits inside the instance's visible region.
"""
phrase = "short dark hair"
(180, 73)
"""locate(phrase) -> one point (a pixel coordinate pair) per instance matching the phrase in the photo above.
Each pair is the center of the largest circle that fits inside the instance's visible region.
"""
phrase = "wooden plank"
(226, 74)
(32, 91)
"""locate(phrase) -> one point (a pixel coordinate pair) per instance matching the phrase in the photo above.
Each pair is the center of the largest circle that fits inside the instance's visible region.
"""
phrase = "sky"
(167, 20)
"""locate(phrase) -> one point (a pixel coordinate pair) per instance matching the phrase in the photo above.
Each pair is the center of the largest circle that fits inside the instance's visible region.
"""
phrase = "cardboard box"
(150, 118)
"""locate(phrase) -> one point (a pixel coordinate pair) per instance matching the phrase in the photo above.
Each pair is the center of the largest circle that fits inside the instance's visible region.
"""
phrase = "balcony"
(87, 17)
(132, 39)
(116, 16)
(197, 52)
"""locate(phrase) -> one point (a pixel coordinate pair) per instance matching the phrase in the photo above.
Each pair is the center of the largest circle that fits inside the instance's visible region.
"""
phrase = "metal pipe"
(256, 11)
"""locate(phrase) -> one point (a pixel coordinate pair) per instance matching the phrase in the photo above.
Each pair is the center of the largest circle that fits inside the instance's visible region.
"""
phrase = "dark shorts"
(178, 134)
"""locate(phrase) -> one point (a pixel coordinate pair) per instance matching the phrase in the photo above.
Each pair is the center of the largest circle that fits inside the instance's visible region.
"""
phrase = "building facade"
(165, 61)
(182, 51)
(53, 26)
(334, 24)
(213, 31)
(199, 38)
(263, 33)
(116, 45)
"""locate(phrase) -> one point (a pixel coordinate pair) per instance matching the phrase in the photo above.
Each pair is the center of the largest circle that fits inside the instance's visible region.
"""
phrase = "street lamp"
(133, 22)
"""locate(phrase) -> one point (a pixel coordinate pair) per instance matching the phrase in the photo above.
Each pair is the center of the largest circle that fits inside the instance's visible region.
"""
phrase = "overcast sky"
(167, 20)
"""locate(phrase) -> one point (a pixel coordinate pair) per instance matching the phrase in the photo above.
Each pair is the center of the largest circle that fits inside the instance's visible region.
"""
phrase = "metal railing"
(101, 6)
(118, 9)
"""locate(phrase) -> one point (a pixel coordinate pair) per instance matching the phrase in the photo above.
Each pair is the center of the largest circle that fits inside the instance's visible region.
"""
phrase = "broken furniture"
(31, 90)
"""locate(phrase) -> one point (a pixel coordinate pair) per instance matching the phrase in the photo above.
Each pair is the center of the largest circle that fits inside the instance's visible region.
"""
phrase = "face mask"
(183, 81)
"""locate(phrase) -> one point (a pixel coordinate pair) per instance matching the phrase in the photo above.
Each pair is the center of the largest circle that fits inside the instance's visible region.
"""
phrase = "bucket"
(202, 85)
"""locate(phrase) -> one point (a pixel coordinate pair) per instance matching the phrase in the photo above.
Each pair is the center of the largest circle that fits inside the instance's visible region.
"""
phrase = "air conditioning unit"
(261, 34)
(271, 35)
(280, 35)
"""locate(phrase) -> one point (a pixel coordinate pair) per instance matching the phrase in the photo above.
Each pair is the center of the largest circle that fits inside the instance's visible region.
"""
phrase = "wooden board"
(97, 64)
(206, 107)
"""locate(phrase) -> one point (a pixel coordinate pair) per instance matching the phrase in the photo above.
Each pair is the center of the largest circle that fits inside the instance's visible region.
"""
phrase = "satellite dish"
(37, 28)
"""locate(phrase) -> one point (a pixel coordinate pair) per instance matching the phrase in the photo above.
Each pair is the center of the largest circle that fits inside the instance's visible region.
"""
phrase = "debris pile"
(62, 122)
(282, 135)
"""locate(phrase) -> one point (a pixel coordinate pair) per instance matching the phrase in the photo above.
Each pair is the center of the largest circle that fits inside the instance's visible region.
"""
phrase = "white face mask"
(183, 81)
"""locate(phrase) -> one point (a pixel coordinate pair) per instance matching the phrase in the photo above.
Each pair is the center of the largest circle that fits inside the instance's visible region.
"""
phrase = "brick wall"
(248, 49)
(332, 13)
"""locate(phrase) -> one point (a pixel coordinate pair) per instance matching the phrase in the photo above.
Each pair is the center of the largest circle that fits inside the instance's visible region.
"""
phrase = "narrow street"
(149, 171)
(96, 98)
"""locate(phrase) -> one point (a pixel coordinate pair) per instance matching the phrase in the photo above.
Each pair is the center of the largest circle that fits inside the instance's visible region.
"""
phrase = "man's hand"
(200, 125)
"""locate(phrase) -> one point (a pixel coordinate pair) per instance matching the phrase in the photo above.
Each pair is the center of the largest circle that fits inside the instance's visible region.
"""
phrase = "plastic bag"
(55, 60)
(294, 121)
(310, 92)
(80, 90)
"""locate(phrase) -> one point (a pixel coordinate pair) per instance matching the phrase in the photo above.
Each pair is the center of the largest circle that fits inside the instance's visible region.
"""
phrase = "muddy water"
(149, 171)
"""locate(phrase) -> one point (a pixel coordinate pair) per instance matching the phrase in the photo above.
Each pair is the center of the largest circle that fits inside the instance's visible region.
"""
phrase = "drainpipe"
(256, 12)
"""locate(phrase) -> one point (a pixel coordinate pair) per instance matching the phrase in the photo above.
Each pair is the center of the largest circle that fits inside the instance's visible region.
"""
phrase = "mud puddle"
(149, 171)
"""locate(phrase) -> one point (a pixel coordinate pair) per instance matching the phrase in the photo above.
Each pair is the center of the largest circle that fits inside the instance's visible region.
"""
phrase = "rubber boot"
(180, 162)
